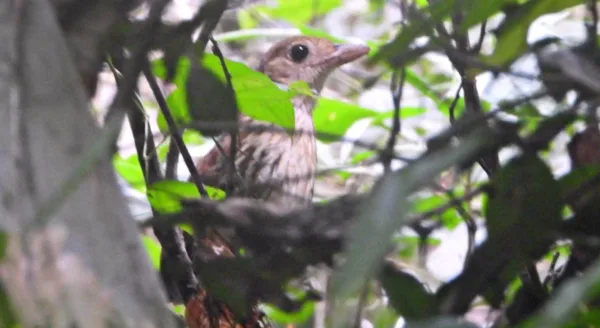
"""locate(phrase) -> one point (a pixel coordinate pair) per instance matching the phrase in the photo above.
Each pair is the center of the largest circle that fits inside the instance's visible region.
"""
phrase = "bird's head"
(309, 59)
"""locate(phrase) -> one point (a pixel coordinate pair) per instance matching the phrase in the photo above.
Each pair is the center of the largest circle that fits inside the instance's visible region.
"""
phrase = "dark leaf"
(407, 295)
(523, 213)
(166, 196)
(255, 94)
(385, 212)
(209, 99)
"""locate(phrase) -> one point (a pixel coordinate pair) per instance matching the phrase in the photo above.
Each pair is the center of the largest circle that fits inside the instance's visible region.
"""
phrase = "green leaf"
(522, 215)
(256, 95)
(179, 309)
(309, 31)
(245, 19)
(385, 317)
(407, 295)
(526, 204)
(176, 100)
(165, 196)
(335, 117)
(153, 250)
(130, 170)
(304, 314)
(297, 88)
(299, 12)
(479, 11)
(386, 209)
(512, 35)
(450, 217)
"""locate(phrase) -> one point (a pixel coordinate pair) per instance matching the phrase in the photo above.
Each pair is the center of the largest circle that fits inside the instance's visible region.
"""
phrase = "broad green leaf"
(385, 211)
(153, 250)
(299, 12)
(165, 196)
(334, 117)
(297, 88)
(408, 295)
(130, 170)
(256, 95)
(512, 35)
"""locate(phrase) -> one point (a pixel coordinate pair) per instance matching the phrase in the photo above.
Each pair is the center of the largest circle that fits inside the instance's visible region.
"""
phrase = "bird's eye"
(299, 52)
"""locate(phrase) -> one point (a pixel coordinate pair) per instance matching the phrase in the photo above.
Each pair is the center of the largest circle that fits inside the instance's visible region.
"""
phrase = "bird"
(270, 165)
(287, 160)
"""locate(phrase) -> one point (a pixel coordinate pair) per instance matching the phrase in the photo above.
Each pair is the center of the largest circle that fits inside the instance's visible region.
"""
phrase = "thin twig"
(477, 47)
(396, 87)
(451, 204)
(231, 170)
(453, 105)
(175, 133)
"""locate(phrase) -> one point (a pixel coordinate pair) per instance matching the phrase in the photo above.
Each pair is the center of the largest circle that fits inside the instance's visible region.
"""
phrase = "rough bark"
(83, 265)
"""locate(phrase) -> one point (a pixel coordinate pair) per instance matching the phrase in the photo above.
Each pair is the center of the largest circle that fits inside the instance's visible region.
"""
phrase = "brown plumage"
(275, 166)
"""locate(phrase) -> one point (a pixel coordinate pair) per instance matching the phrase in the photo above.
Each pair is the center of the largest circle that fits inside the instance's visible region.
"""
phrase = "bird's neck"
(303, 108)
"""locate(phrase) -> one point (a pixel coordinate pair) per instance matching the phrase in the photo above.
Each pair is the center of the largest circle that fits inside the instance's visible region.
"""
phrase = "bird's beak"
(345, 53)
